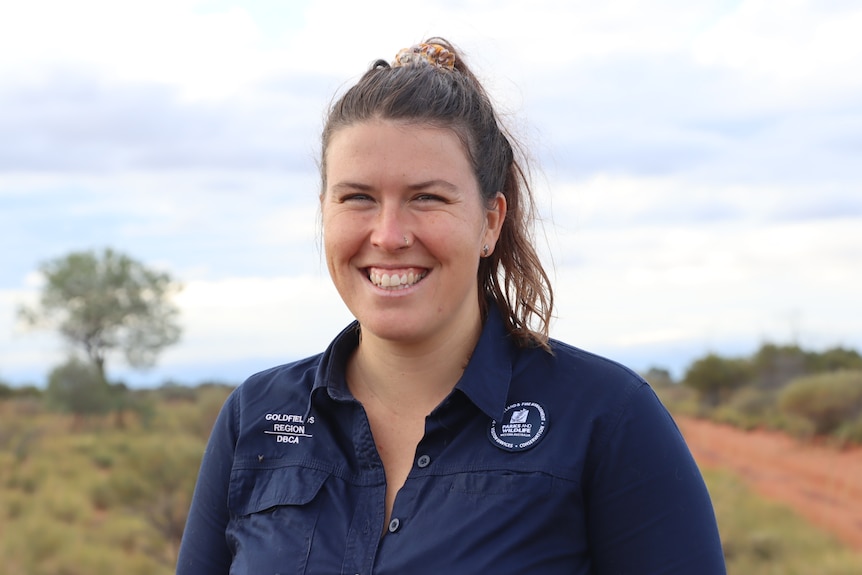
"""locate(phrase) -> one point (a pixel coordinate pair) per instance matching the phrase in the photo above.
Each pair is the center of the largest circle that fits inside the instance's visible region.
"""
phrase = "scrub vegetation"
(81, 495)
(105, 491)
(786, 388)
(764, 538)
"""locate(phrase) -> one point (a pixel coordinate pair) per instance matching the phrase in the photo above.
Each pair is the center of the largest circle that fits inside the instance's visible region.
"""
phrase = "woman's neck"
(409, 379)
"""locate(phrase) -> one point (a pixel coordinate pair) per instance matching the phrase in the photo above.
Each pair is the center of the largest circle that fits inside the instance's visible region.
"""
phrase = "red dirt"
(822, 483)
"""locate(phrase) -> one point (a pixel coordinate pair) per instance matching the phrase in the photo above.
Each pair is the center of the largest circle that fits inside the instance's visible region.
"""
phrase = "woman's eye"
(429, 198)
(355, 198)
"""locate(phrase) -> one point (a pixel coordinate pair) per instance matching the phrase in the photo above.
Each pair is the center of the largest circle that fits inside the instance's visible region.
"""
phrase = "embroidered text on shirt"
(288, 427)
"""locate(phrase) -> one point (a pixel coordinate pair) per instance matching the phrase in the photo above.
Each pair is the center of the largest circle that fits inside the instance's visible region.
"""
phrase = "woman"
(443, 431)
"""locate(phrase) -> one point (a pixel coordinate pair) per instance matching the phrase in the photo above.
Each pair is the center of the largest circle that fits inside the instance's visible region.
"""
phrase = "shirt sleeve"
(204, 549)
(648, 508)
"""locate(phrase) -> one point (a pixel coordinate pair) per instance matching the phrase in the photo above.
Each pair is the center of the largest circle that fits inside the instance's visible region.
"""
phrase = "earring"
(485, 249)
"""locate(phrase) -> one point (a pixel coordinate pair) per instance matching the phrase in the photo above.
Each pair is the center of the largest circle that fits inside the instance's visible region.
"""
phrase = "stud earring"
(485, 249)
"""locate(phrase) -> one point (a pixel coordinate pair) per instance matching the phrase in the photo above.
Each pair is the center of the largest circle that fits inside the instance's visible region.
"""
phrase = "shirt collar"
(489, 371)
(330, 377)
(485, 380)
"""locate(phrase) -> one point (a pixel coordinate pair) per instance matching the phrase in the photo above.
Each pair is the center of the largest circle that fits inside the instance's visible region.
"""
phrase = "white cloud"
(285, 317)
(702, 180)
(803, 47)
(640, 265)
(207, 54)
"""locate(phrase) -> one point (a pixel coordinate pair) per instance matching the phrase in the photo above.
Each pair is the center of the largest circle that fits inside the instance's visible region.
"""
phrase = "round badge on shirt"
(522, 426)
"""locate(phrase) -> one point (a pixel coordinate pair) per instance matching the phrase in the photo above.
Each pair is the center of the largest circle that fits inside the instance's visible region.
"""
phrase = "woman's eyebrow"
(351, 186)
(433, 184)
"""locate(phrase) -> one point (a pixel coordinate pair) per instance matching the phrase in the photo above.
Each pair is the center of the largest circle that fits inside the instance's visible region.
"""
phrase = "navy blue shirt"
(535, 463)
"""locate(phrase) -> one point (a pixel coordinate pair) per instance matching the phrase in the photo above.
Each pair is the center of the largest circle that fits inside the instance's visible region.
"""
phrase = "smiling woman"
(402, 201)
(442, 431)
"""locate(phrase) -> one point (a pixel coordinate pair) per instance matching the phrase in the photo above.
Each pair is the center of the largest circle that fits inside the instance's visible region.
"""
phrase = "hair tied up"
(425, 53)
(421, 86)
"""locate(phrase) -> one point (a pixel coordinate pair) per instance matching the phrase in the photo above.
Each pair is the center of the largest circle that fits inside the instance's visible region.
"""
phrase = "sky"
(696, 165)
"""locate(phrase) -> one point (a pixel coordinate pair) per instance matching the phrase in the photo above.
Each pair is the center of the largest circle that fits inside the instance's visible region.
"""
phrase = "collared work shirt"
(535, 463)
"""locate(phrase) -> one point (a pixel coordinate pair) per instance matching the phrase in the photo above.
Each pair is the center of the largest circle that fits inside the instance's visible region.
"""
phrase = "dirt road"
(823, 484)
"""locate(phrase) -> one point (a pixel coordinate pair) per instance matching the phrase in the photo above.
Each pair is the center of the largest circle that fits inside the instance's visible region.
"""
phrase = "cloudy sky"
(698, 164)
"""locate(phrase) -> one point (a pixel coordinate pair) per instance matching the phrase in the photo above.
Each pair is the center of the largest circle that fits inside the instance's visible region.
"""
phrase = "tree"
(77, 387)
(107, 302)
(715, 378)
(5, 390)
(835, 359)
(658, 377)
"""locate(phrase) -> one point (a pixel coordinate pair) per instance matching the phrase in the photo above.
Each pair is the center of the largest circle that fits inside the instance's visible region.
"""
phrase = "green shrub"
(155, 481)
(15, 503)
(798, 427)
(760, 537)
(24, 480)
(66, 506)
(716, 378)
(753, 401)
(827, 400)
(78, 387)
(735, 417)
(850, 432)
(102, 496)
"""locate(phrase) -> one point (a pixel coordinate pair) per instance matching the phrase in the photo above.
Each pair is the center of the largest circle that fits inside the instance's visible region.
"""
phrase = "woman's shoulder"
(570, 365)
(579, 385)
(292, 380)
(296, 371)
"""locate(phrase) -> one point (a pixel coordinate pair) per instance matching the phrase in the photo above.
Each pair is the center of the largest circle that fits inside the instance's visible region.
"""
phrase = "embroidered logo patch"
(521, 427)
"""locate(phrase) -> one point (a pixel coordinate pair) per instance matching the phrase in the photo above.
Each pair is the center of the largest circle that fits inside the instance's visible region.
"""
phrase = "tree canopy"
(715, 377)
(105, 303)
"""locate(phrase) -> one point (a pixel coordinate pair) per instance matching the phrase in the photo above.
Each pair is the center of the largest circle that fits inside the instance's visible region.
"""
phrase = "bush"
(752, 401)
(760, 537)
(827, 400)
(794, 425)
(716, 378)
(155, 481)
(735, 417)
(78, 388)
(850, 432)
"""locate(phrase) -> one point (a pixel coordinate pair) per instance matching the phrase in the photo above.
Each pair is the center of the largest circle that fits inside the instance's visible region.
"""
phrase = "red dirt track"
(823, 484)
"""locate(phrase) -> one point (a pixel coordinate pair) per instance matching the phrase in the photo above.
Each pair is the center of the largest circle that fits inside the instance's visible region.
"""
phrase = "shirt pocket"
(274, 513)
(520, 522)
(501, 501)
(495, 483)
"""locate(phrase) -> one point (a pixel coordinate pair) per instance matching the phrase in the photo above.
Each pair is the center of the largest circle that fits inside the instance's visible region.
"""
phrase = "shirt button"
(423, 461)
(394, 525)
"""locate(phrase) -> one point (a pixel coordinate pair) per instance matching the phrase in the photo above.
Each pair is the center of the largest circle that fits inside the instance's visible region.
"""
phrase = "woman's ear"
(495, 215)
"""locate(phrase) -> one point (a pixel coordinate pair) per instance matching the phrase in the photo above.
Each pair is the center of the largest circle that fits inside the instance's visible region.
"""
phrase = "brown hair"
(512, 276)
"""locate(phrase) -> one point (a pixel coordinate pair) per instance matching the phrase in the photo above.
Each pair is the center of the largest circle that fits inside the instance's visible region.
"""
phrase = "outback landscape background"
(87, 491)
(698, 181)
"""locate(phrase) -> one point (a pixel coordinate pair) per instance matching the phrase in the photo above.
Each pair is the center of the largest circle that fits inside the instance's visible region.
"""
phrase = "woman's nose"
(390, 229)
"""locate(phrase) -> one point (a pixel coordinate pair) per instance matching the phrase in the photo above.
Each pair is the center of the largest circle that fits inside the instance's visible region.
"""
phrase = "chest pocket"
(514, 484)
(274, 513)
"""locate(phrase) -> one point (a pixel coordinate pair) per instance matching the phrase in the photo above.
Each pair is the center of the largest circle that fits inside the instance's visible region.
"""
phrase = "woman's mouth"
(396, 278)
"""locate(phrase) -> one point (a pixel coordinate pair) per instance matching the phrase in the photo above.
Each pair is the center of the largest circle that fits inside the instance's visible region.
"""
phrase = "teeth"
(395, 280)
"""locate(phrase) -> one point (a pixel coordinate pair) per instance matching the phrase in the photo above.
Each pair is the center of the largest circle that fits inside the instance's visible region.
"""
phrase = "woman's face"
(404, 226)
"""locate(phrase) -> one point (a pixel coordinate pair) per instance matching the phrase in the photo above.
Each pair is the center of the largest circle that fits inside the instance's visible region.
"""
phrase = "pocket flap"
(256, 490)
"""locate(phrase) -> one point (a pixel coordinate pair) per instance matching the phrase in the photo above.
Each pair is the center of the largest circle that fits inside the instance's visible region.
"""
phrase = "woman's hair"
(424, 87)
